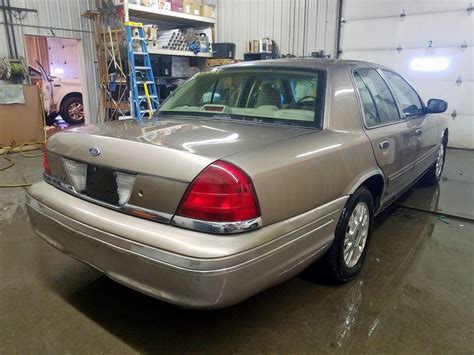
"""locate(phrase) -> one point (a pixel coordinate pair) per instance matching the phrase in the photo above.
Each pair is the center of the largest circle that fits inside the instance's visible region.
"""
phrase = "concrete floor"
(415, 294)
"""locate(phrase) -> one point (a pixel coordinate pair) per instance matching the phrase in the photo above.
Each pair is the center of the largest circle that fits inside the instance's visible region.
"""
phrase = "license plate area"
(102, 184)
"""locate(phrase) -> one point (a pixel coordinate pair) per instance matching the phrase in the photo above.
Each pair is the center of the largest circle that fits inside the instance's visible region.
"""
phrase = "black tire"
(433, 174)
(336, 268)
(72, 109)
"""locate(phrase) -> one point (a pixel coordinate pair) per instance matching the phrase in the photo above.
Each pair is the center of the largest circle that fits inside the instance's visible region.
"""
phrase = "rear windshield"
(267, 96)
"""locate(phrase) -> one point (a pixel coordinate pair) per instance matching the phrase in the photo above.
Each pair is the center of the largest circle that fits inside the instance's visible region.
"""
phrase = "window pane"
(284, 97)
(371, 116)
(408, 97)
(380, 93)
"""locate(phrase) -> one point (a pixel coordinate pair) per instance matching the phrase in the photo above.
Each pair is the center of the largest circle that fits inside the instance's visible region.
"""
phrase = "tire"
(72, 109)
(338, 265)
(433, 175)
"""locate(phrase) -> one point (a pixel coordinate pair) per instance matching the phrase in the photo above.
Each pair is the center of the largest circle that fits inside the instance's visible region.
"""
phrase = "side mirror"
(436, 106)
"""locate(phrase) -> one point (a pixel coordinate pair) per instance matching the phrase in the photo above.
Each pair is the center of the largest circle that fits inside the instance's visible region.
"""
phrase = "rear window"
(267, 96)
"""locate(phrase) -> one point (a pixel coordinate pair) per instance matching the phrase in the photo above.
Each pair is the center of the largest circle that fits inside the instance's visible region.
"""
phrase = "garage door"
(429, 42)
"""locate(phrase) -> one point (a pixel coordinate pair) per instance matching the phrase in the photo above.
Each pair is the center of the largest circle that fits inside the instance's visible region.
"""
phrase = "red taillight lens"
(220, 193)
(46, 168)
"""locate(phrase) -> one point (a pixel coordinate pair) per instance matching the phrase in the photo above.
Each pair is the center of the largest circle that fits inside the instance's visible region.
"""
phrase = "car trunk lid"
(155, 162)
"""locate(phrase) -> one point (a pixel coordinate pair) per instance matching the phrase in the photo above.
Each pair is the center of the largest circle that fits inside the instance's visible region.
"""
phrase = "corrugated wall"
(61, 18)
(298, 27)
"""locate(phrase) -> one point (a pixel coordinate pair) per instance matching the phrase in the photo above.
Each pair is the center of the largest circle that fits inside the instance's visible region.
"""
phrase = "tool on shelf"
(144, 99)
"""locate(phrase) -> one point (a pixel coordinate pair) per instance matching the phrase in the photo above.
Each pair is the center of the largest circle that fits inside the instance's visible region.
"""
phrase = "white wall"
(374, 29)
(298, 27)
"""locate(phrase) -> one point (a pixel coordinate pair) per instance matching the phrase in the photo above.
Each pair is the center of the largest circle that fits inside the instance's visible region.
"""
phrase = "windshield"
(269, 96)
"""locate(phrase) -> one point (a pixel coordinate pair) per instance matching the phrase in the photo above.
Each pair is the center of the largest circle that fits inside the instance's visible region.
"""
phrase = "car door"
(391, 136)
(425, 129)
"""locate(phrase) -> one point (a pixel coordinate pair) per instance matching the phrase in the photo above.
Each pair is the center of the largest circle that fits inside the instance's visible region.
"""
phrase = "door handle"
(384, 144)
(418, 132)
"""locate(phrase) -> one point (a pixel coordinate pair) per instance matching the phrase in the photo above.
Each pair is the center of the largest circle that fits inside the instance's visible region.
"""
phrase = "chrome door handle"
(418, 132)
(384, 144)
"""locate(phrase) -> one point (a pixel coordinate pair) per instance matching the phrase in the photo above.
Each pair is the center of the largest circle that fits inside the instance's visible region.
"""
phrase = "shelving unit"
(144, 12)
(110, 42)
(179, 53)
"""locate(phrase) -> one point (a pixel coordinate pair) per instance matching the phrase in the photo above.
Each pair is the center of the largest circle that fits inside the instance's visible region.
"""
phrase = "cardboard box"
(21, 123)
(196, 10)
(210, 63)
(208, 11)
(177, 5)
(165, 5)
(187, 7)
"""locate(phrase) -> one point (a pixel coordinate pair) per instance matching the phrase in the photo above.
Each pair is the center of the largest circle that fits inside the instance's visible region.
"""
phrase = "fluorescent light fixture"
(429, 64)
(58, 71)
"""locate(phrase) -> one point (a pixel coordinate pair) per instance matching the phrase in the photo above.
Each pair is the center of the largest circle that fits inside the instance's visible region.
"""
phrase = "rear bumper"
(192, 281)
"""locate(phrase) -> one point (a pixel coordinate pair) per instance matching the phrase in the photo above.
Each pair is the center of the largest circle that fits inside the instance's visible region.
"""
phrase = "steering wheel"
(304, 101)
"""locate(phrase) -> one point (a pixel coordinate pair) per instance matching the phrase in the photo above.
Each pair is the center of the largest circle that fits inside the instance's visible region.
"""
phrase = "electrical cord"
(11, 162)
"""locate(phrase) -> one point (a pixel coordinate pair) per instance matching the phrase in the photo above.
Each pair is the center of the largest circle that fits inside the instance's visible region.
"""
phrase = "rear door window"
(378, 103)
(407, 96)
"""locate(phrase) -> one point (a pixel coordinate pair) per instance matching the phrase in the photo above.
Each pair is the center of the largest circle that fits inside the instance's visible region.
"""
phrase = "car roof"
(302, 63)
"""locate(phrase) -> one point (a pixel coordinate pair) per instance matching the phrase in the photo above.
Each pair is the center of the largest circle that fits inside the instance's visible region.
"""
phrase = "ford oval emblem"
(94, 151)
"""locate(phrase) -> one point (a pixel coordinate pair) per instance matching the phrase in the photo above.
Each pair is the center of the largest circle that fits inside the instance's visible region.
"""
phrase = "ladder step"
(141, 75)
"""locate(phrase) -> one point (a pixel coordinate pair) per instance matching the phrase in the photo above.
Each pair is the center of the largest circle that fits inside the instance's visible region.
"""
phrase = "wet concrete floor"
(414, 295)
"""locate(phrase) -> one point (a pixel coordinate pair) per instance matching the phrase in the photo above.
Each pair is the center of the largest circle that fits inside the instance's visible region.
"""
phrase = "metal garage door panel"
(370, 34)
(459, 98)
(443, 30)
(461, 62)
(362, 9)
(461, 131)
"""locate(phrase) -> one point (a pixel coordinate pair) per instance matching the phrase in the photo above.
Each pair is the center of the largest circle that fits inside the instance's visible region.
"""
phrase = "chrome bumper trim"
(217, 227)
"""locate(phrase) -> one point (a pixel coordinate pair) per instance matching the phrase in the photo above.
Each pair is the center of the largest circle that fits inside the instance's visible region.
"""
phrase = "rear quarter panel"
(301, 173)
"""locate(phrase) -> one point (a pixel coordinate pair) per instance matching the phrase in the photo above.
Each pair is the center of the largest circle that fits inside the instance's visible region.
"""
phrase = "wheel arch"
(445, 136)
(374, 181)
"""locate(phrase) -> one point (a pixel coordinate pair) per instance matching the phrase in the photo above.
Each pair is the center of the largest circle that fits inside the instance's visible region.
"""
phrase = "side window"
(371, 115)
(382, 100)
(408, 97)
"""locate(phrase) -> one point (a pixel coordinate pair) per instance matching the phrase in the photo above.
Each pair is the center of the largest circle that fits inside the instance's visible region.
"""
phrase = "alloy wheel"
(356, 234)
(76, 111)
(440, 161)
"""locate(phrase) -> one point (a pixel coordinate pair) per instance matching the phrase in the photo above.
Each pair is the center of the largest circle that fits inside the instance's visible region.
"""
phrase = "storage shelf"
(167, 15)
(178, 53)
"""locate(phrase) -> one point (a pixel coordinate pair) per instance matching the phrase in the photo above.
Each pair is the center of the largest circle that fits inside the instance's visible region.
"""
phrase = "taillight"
(46, 167)
(220, 193)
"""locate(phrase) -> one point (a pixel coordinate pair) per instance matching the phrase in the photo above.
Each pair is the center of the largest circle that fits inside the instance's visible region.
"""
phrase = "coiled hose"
(11, 162)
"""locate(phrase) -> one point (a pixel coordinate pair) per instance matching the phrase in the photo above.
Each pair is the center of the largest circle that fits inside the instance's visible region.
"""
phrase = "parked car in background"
(61, 96)
(251, 173)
